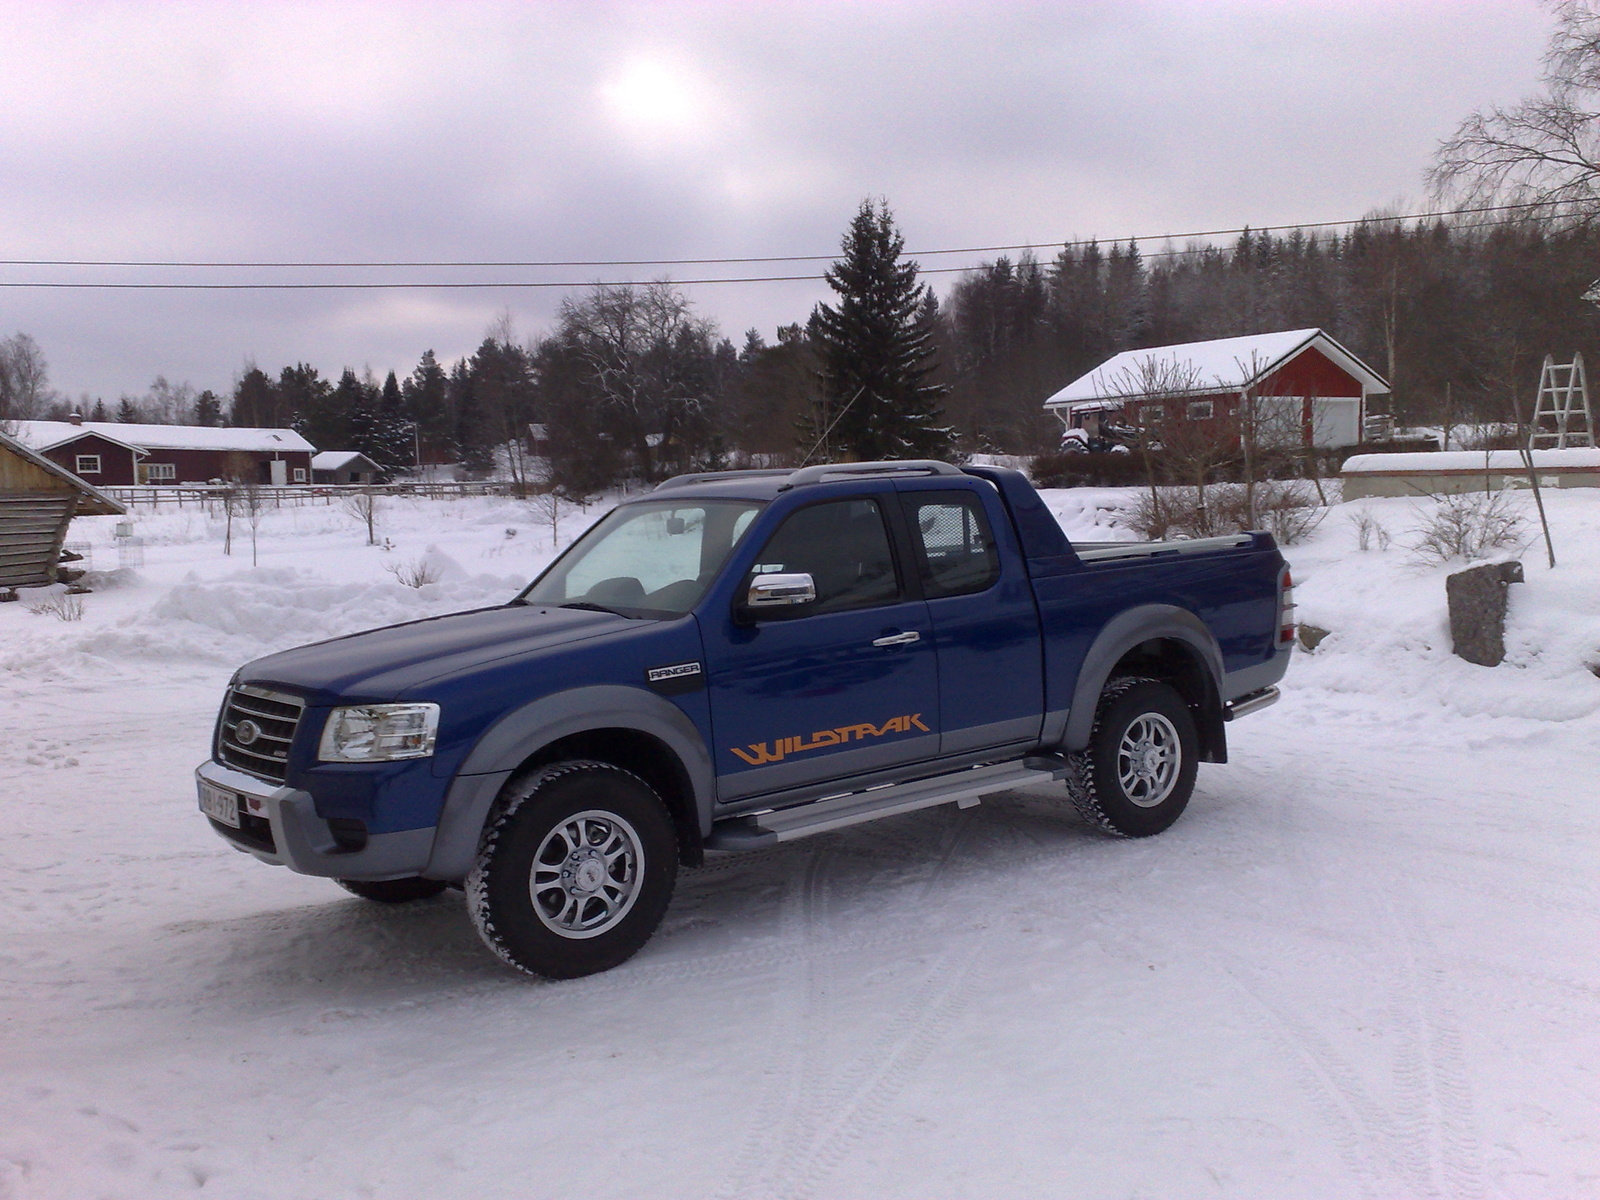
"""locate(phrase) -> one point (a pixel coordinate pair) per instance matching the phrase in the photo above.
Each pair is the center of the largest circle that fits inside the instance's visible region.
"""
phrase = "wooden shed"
(37, 500)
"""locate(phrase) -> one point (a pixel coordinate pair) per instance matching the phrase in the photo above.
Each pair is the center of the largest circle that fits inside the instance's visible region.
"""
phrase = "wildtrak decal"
(762, 753)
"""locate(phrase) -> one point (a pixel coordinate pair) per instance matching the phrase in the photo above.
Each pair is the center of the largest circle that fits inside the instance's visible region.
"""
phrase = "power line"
(520, 284)
(688, 262)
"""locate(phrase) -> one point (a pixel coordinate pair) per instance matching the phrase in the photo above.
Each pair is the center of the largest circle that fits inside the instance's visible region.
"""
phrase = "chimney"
(75, 417)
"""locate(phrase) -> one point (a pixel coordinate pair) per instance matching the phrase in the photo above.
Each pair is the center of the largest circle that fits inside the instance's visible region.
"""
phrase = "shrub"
(1286, 508)
(1369, 532)
(1088, 470)
(414, 574)
(63, 606)
(1469, 525)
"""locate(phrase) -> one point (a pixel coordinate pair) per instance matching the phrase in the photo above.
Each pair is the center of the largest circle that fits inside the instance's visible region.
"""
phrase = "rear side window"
(844, 546)
(955, 547)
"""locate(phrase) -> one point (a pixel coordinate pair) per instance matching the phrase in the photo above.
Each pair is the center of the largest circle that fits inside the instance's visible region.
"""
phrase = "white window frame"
(1202, 410)
(299, 475)
(160, 472)
(84, 469)
(1152, 414)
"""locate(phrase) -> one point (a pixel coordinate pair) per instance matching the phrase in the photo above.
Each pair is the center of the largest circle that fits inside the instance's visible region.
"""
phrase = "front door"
(280, 472)
(847, 686)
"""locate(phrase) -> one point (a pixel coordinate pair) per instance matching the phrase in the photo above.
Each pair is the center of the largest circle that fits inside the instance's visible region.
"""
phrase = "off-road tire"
(1098, 777)
(393, 891)
(615, 834)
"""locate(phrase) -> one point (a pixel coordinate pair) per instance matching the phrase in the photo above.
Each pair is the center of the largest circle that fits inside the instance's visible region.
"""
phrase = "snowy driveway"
(1362, 965)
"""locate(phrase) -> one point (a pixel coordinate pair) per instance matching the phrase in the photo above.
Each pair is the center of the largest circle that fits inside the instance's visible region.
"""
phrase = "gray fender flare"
(511, 740)
(1121, 634)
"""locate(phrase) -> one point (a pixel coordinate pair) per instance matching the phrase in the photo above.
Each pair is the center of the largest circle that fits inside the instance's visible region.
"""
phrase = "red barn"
(111, 454)
(1302, 385)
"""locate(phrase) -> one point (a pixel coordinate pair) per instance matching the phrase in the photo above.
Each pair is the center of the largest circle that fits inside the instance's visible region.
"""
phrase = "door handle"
(898, 639)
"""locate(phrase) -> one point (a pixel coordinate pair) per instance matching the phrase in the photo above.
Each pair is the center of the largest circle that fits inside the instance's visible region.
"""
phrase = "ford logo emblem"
(246, 732)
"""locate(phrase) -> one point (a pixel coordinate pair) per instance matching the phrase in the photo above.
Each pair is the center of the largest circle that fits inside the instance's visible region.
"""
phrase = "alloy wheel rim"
(1148, 760)
(586, 874)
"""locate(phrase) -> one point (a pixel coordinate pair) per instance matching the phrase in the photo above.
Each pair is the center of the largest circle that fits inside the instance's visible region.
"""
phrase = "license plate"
(219, 805)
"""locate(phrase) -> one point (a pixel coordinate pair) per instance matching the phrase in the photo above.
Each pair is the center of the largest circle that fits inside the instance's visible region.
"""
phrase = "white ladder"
(1561, 416)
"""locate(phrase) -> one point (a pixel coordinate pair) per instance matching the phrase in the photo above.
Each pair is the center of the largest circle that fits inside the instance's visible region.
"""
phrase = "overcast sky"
(345, 133)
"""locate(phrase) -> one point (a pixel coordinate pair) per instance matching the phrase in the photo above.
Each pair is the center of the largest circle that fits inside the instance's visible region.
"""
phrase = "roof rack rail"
(678, 481)
(913, 466)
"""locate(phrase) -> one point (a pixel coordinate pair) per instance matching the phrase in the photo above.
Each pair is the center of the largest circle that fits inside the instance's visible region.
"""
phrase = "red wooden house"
(112, 454)
(1296, 385)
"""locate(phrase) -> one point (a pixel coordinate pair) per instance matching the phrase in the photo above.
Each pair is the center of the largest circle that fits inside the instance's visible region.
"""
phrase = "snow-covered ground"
(1363, 964)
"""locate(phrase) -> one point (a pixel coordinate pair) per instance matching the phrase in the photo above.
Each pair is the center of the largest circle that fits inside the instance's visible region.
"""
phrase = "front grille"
(269, 719)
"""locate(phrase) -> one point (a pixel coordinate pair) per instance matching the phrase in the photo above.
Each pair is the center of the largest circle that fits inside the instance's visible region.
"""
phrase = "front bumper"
(285, 830)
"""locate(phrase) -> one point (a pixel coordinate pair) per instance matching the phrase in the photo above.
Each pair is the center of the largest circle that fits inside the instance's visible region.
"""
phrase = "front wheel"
(576, 872)
(1136, 775)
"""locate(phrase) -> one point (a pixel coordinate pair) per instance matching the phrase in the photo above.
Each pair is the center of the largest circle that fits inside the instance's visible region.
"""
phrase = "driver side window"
(844, 546)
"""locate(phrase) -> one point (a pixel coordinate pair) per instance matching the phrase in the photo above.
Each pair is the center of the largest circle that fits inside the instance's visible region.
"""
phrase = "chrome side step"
(965, 788)
(1254, 702)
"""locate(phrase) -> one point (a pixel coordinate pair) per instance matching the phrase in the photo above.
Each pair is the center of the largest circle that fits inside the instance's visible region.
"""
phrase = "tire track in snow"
(859, 1092)
(829, 1105)
(1423, 1141)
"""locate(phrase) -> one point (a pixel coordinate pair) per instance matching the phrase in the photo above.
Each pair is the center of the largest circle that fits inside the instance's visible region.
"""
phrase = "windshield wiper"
(588, 607)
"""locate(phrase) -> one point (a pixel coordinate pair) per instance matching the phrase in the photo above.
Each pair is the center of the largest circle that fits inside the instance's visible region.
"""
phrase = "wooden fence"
(210, 495)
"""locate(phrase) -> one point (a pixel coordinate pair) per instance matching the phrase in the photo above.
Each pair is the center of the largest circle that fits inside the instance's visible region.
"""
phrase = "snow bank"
(1388, 658)
(252, 613)
(1389, 637)
(1470, 460)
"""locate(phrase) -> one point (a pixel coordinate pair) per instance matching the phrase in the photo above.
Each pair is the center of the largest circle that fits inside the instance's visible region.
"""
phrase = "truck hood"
(383, 664)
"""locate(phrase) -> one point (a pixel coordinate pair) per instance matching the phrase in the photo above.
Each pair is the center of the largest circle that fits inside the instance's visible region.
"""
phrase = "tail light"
(1285, 608)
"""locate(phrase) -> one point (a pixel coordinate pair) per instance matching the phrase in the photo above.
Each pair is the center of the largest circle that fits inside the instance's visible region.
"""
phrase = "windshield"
(654, 558)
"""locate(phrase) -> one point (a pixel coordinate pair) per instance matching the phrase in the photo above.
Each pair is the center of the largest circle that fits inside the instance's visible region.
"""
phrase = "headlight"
(379, 733)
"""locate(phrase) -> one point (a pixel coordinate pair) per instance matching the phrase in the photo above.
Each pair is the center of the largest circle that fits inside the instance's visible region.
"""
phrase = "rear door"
(985, 621)
(845, 685)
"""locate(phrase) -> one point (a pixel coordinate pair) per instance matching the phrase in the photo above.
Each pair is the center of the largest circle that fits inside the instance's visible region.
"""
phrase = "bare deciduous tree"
(24, 379)
(1544, 151)
(1153, 395)
(647, 356)
(363, 506)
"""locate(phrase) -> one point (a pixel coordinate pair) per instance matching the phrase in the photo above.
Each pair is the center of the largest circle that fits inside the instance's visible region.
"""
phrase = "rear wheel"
(393, 891)
(576, 872)
(1136, 775)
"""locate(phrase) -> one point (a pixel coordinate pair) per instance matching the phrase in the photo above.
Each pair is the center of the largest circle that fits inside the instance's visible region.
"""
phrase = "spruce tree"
(207, 408)
(877, 351)
(357, 401)
(304, 397)
(474, 443)
(427, 393)
(255, 401)
(393, 445)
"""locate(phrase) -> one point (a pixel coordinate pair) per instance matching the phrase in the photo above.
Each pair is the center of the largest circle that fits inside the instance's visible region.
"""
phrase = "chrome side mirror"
(781, 591)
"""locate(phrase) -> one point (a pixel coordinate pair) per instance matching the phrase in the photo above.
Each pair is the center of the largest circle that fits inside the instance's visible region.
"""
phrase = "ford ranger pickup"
(733, 660)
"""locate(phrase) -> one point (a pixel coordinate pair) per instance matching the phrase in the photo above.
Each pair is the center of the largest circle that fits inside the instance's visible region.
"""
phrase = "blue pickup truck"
(737, 659)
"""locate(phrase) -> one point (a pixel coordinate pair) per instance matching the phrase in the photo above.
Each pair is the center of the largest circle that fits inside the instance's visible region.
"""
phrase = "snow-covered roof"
(1221, 365)
(94, 502)
(1439, 462)
(43, 435)
(338, 460)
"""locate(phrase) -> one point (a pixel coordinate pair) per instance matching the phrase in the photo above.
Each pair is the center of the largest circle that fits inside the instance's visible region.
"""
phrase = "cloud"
(608, 131)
